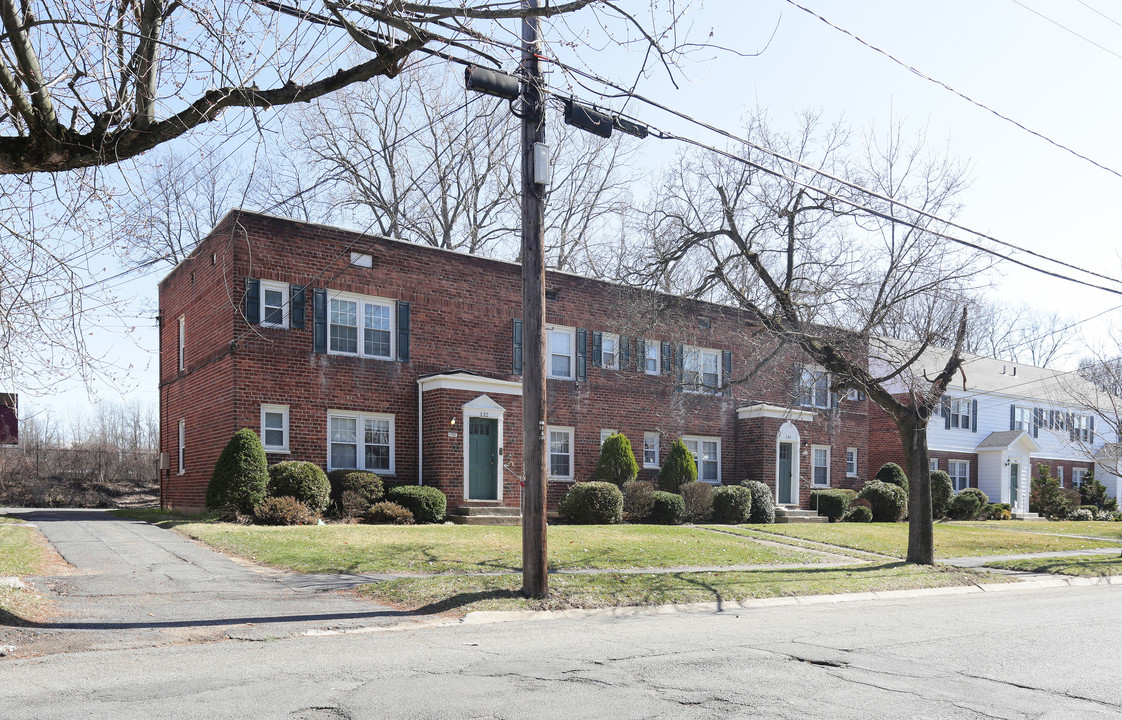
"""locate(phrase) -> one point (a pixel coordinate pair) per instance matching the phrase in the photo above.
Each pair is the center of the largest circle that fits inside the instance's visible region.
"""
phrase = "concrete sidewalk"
(136, 585)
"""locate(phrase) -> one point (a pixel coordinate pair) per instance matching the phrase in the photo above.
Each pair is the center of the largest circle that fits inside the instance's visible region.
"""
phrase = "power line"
(1066, 29)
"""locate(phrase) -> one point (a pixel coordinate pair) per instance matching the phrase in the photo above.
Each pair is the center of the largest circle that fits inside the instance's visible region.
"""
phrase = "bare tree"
(826, 269)
(1019, 334)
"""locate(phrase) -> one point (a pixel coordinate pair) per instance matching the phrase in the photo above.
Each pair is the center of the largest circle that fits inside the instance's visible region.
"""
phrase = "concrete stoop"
(1027, 516)
(797, 515)
(484, 513)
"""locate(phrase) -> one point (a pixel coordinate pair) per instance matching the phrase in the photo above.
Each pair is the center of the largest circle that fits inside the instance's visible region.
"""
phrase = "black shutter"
(517, 346)
(974, 416)
(726, 361)
(1051, 419)
(1037, 421)
(640, 355)
(1012, 417)
(296, 306)
(319, 320)
(667, 359)
(798, 386)
(1070, 426)
(946, 413)
(1092, 438)
(582, 355)
(598, 349)
(253, 300)
(679, 367)
(624, 353)
(402, 331)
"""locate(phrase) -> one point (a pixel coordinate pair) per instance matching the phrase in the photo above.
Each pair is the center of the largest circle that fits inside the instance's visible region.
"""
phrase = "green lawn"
(467, 593)
(1081, 566)
(1098, 529)
(21, 554)
(9, 520)
(951, 540)
(461, 548)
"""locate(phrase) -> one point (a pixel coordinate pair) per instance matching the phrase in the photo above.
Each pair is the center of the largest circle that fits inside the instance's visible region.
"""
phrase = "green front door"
(786, 487)
(1014, 476)
(483, 459)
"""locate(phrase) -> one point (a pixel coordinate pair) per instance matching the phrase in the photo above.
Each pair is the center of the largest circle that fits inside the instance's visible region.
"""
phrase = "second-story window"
(1022, 419)
(360, 326)
(701, 369)
(609, 351)
(651, 358)
(814, 388)
(560, 343)
(274, 308)
(960, 414)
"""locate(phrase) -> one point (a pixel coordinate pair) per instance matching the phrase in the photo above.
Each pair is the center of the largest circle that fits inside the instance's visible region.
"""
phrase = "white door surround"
(482, 407)
(788, 433)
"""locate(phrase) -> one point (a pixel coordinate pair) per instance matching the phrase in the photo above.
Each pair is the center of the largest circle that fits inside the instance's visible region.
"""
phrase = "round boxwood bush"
(732, 504)
(388, 513)
(763, 502)
(592, 503)
(302, 480)
(966, 504)
(858, 513)
(886, 500)
(678, 469)
(283, 510)
(617, 463)
(240, 475)
(366, 484)
(941, 492)
(427, 504)
(893, 474)
(666, 508)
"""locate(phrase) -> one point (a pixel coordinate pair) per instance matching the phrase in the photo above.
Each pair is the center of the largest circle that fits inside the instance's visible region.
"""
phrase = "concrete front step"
(797, 515)
(484, 513)
(1027, 516)
(485, 510)
(485, 519)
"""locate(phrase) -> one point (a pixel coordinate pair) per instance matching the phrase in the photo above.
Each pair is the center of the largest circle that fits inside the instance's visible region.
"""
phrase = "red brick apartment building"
(351, 350)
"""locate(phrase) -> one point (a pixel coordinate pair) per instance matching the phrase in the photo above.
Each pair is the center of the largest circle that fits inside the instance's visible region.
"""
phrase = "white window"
(1081, 429)
(182, 343)
(1077, 475)
(651, 358)
(960, 414)
(605, 434)
(274, 304)
(362, 259)
(1022, 419)
(274, 428)
(1060, 474)
(561, 453)
(814, 387)
(707, 454)
(820, 455)
(609, 351)
(701, 369)
(959, 470)
(560, 342)
(363, 441)
(182, 446)
(650, 450)
(933, 464)
(851, 462)
(359, 325)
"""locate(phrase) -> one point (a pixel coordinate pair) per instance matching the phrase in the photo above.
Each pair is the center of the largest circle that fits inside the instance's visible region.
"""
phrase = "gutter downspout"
(420, 433)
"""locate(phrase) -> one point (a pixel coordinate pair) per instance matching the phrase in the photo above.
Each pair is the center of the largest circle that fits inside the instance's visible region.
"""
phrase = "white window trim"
(954, 476)
(359, 259)
(549, 451)
(657, 450)
(181, 454)
(605, 433)
(1060, 474)
(647, 347)
(817, 373)
(693, 354)
(957, 417)
(360, 454)
(282, 288)
(932, 464)
(564, 330)
(605, 337)
(1077, 476)
(362, 301)
(697, 458)
(1023, 417)
(856, 462)
(813, 467)
(182, 343)
(283, 410)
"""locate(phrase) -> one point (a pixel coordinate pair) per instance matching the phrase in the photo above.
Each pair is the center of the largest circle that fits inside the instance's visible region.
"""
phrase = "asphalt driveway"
(137, 585)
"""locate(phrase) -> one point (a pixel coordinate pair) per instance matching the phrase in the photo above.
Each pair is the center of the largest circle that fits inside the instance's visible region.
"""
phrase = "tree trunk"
(921, 538)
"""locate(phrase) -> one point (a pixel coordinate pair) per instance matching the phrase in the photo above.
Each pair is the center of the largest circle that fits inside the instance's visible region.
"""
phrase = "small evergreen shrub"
(592, 503)
(995, 511)
(302, 480)
(1048, 497)
(832, 503)
(1081, 514)
(893, 474)
(967, 504)
(240, 475)
(637, 500)
(666, 508)
(617, 463)
(1093, 492)
(283, 510)
(942, 489)
(427, 504)
(388, 513)
(858, 513)
(678, 469)
(732, 504)
(886, 500)
(366, 484)
(698, 498)
(763, 503)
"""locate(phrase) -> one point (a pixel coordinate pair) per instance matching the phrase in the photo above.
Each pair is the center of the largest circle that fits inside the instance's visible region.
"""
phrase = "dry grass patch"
(23, 552)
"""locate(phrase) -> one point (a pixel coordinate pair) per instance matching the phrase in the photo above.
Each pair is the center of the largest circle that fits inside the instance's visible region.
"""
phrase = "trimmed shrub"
(1081, 514)
(732, 504)
(1093, 492)
(366, 484)
(887, 501)
(832, 503)
(1048, 497)
(995, 511)
(617, 463)
(637, 500)
(240, 475)
(893, 474)
(302, 480)
(858, 513)
(678, 469)
(388, 513)
(967, 504)
(942, 489)
(666, 508)
(763, 503)
(698, 498)
(283, 510)
(592, 503)
(427, 504)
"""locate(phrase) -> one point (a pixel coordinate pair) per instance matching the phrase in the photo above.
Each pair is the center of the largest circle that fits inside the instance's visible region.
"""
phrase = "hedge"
(302, 480)
(832, 503)
(732, 504)
(666, 508)
(763, 502)
(888, 501)
(427, 504)
(592, 503)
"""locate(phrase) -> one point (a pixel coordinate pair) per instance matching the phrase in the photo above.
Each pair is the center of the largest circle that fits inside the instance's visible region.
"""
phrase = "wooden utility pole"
(535, 578)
